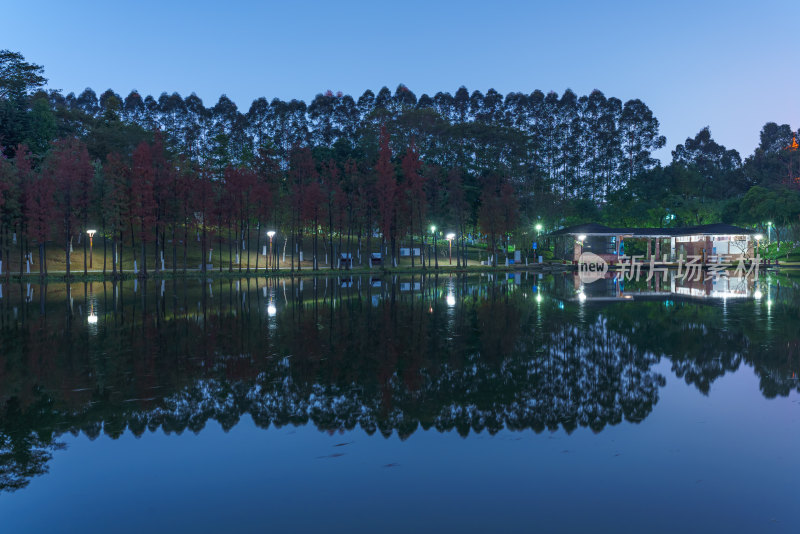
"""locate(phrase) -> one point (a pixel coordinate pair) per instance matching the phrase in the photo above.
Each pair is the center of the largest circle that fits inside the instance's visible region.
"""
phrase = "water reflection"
(615, 286)
(391, 355)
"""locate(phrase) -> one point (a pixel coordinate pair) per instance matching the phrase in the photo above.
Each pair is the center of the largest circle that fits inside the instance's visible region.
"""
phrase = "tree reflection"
(392, 356)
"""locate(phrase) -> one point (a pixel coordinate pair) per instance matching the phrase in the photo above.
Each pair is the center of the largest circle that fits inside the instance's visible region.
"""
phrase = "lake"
(505, 402)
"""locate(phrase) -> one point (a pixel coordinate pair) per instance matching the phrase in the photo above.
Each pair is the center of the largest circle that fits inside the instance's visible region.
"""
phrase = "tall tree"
(386, 191)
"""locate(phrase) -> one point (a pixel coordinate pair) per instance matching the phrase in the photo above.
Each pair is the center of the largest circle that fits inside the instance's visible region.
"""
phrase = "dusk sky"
(730, 65)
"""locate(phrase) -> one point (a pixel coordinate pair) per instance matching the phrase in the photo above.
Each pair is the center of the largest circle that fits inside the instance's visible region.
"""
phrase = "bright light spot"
(272, 310)
(92, 319)
(759, 237)
(538, 227)
(451, 236)
(582, 296)
(271, 233)
(451, 300)
(758, 294)
(538, 298)
(91, 232)
(433, 228)
(581, 237)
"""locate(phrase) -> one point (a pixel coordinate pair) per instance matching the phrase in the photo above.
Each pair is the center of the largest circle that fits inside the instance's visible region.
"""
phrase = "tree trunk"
(203, 264)
(41, 260)
(144, 258)
(258, 245)
(316, 234)
(66, 248)
(230, 251)
(105, 249)
(113, 255)
(186, 243)
(85, 266)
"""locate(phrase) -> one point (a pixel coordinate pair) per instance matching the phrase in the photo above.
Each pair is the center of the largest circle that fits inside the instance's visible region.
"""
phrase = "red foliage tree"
(39, 209)
(302, 173)
(203, 202)
(143, 201)
(116, 204)
(458, 207)
(415, 191)
(490, 217)
(498, 212)
(69, 167)
(386, 191)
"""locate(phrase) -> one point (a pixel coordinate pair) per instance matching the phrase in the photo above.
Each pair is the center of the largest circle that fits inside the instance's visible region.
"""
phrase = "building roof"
(593, 229)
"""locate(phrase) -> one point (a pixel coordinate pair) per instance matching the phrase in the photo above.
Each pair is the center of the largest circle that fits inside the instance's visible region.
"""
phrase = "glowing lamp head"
(757, 295)
(582, 238)
(759, 237)
(433, 228)
(538, 227)
(91, 232)
(451, 236)
(271, 234)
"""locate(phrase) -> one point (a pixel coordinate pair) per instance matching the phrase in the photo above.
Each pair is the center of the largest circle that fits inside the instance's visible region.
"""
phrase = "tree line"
(341, 174)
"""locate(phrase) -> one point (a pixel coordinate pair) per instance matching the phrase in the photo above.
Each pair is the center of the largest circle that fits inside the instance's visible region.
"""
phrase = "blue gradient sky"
(730, 65)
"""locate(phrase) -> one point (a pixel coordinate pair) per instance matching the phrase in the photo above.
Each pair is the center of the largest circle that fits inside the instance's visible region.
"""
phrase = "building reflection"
(615, 286)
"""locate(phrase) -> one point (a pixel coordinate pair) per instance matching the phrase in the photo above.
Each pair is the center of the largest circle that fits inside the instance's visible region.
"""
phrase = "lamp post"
(769, 233)
(270, 234)
(91, 245)
(450, 238)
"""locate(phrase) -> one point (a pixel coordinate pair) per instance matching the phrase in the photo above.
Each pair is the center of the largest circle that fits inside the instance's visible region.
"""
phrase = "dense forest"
(343, 174)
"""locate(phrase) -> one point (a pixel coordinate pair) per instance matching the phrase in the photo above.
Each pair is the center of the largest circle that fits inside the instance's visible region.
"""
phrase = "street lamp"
(450, 238)
(769, 233)
(270, 234)
(538, 228)
(91, 245)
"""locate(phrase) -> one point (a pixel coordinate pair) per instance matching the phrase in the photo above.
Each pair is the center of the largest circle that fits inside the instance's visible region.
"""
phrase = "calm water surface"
(471, 404)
